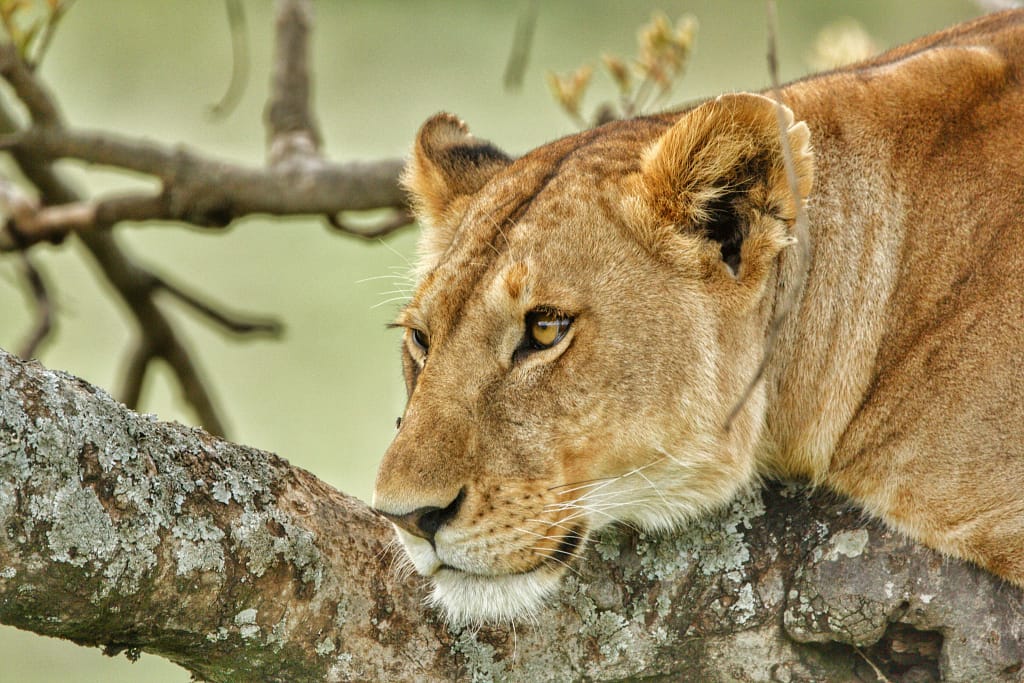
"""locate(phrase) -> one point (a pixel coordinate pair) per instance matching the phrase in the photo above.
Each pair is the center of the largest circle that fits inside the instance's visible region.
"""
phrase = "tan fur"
(897, 380)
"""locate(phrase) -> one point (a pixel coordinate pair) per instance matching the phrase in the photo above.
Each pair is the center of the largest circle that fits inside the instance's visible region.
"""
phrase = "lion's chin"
(471, 599)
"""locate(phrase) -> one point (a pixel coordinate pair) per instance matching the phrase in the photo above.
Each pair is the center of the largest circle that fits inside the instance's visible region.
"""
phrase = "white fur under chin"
(470, 599)
(467, 599)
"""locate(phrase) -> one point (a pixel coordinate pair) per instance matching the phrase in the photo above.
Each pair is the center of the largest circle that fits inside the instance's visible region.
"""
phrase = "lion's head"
(586, 317)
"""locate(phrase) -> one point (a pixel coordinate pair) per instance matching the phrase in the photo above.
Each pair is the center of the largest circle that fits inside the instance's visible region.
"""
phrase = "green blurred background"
(326, 395)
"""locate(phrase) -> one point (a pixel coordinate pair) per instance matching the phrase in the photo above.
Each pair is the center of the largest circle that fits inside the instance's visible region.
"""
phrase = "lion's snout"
(425, 521)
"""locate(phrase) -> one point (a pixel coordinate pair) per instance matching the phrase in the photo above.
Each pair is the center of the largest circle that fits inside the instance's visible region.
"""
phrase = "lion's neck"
(824, 361)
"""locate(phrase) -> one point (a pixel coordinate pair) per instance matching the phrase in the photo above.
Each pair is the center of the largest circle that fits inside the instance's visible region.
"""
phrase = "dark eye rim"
(420, 339)
(530, 344)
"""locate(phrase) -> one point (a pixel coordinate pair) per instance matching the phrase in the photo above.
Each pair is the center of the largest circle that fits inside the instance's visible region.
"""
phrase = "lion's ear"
(719, 173)
(448, 165)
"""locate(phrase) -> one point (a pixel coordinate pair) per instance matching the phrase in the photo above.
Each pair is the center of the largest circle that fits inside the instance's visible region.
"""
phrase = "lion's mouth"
(560, 556)
(483, 595)
(566, 550)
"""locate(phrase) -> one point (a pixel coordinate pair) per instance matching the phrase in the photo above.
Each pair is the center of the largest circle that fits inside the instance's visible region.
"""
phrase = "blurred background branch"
(195, 189)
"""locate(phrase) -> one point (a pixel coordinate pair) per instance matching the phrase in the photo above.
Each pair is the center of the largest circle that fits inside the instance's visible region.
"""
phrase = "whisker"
(595, 497)
(656, 489)
(559, 561)
(389, 301)
(587, 483)
(569, 529)
(584, 510)
(570, 553)
(408, 263)
(545, 536)
(386, 276)
(675, 461)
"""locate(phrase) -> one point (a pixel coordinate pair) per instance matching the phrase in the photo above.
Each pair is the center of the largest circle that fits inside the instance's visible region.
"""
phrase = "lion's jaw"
(469, 587)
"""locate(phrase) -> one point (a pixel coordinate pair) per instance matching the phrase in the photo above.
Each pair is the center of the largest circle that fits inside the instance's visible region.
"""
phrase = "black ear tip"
(481, 153)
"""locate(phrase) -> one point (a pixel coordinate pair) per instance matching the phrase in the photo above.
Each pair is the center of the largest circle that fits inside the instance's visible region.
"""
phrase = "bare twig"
(32, 223)
(882, 678)
(19, 208)
(239, 61)
(292, 130)
(43, 308)
(194, 188)
(198, 189)
(227, 321)
(399, 219)
(39, 103)
(134, 374)
(57, 11)
(522, 42)
(788, 301)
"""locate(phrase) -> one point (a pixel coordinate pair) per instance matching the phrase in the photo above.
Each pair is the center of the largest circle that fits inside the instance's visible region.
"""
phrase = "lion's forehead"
(515, 229)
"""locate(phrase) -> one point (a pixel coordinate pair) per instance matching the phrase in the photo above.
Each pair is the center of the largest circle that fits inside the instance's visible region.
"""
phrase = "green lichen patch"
(246, 623)
(199, 545)
(715, 544)
(480, 662)
(270, 536)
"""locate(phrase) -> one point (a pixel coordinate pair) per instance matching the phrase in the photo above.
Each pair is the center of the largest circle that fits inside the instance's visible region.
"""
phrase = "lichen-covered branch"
(123, 532)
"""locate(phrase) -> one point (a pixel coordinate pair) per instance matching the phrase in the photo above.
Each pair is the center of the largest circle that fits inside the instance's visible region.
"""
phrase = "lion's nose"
(425, 521)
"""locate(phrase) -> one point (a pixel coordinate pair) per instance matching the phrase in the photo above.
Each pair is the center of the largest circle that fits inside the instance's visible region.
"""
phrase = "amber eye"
(419, 338)
(545, 328)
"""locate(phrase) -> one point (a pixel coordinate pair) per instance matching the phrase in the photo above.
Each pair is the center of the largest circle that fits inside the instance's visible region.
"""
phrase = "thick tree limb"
(144, 536)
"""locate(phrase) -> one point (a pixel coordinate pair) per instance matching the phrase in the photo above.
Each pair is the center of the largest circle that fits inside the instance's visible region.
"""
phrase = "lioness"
(589, 314)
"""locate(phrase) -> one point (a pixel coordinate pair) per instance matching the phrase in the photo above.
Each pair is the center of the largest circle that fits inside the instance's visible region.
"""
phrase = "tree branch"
(204, 191)
(133, 534)
(239, 61)
(229, 322)
(37, 100)
(292, 131)
(397, 220)
(801, 234)
(43, 308)
(196, 188)
(133, 283)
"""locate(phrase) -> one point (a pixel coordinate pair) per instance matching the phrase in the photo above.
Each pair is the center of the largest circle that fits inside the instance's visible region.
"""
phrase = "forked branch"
(192, 188)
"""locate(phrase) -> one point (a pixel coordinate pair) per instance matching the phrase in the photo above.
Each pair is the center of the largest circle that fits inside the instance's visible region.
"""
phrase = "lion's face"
(576, 343)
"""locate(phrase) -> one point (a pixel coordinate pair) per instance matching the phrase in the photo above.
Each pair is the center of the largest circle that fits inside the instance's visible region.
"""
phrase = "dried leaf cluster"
(644, 81)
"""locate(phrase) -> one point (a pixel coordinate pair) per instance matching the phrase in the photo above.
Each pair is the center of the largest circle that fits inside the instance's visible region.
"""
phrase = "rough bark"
(121, 531)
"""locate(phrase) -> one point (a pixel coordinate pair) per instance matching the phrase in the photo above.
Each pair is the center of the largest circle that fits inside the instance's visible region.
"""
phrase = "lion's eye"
(419, 338)
(545, 328)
